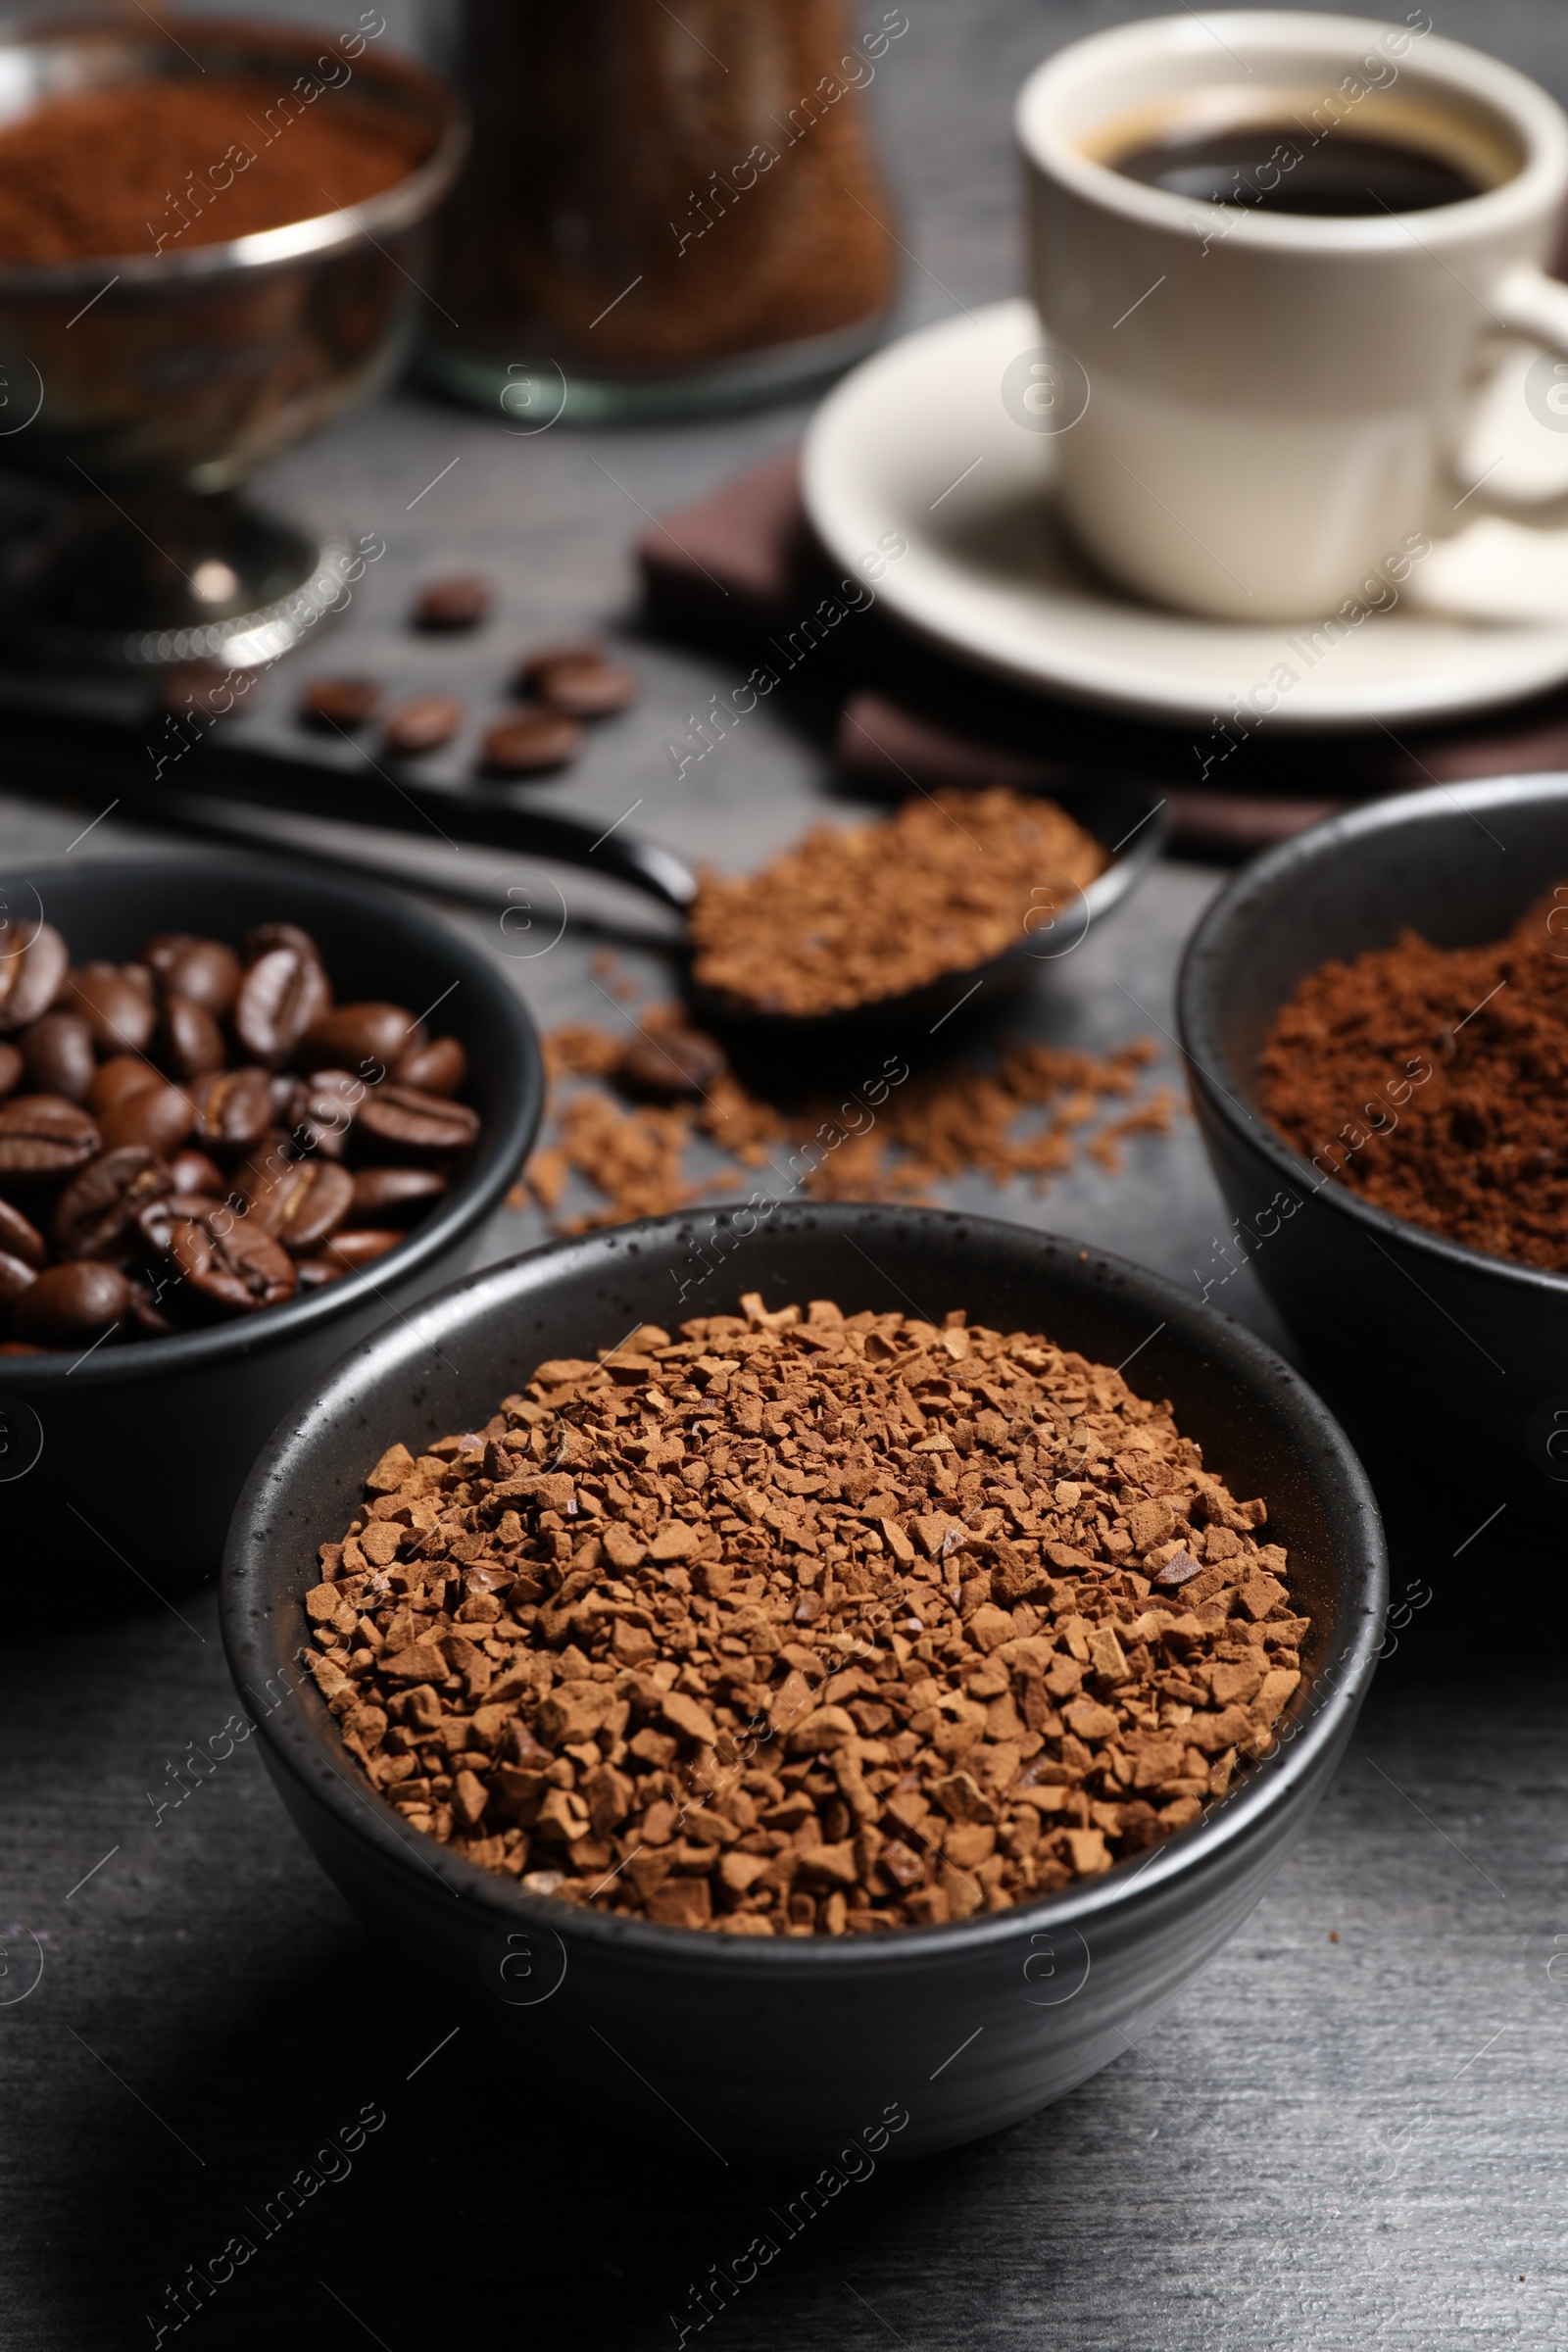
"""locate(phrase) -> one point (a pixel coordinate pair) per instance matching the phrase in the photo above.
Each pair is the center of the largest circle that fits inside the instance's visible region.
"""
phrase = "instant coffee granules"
(1435, 1081)
(156, 166)
(204, 1133)
(624, 1116)
(805, 1623)
(853, 914)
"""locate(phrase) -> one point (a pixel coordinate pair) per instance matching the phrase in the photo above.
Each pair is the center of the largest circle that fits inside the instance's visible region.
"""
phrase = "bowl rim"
(480, 1192)
(297, 1746)
(317, 237)
(1231, 1098)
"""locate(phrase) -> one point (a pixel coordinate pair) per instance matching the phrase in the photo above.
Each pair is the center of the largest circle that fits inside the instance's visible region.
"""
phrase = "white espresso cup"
(1269, 401)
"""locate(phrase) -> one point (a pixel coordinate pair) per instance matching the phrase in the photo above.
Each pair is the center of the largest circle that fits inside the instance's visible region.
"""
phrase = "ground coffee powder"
(1435, 1080)
(805, 1623)
(159, 166)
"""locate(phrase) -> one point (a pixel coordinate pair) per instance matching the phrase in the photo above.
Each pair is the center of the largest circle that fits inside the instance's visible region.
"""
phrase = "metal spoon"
(1127, 818)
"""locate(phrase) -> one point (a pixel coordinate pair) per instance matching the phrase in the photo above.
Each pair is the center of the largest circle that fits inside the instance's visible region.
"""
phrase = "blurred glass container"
(664, 211)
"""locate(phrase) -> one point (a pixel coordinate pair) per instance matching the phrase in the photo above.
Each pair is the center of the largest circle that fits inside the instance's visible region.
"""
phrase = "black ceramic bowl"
(145, 1444)
(782, 2046)
(1405, 1330)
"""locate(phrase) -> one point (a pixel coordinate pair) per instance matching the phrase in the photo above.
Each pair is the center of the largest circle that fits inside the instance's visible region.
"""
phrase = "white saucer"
(917, 441)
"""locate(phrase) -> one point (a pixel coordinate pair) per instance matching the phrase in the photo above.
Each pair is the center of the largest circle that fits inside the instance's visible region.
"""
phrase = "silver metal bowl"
(150, 383)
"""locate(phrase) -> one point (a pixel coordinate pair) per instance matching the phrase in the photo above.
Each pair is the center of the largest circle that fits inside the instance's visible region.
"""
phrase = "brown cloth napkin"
(742, 566)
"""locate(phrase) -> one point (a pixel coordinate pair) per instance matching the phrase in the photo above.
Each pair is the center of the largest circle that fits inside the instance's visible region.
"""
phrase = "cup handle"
(1527, 303)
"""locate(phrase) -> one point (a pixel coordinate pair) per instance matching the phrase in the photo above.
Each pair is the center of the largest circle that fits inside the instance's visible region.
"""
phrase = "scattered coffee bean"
(870, 1704)
(60, 1054)
(352, 1035)
(323, 1112)
(284, 990)
(71, 1302)
(304, 1202)
(339, 704)
(190, 1041)
(578, 679)
(191, 1171)
(121, 1075)
(233, 1110)
(206, 970)
(32, 972)
(12, 1067)
(675, 1066)
(43, 1138)
(157, 1117)
(530, 743)
(360, 1246)
(460, 601)
(403, 1119)
(119, 1012)
(423, 724)
(438, 1067)
(21, 1238)
(233, 1266)
(96, 1214)
(386, 1196)
(16, 1276)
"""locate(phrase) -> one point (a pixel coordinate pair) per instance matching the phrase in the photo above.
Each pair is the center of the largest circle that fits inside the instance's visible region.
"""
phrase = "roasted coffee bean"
(579, 680)
(191, 1171)
(284, 990)
(436, 1068)
(423, 724)
(12, 1067)
(121, 1075)
(460, 602)
(96, 1214)
(233, 1110)
(43, 1138)
(231, 1265)
(190, 1043)
(314, 1273)
(21, 1240)
(351, 1035)
(393, 1196)
(358, 1245)
(337, 705)
(400, 1119)
(262, 938)
(120, 1014)
(307, 1202)
(156, 1117)
(157, 1219)
(329, 1102)
(72, 1302)
(530, 744)
(148, 1319)
(34, 963)
(59, 1056)
(671, 1065)
(16, 1277)
(204, 970)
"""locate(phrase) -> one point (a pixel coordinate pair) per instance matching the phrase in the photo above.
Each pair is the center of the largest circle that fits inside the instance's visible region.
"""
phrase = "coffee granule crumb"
(1434, 1081)
(850, 915)
(804, 1623)
(925, 1128)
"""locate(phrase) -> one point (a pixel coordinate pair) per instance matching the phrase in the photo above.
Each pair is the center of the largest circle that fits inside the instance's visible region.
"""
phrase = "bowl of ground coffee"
(1376, 1021)
(207, 249)
(156, 1318)
(857, 1675)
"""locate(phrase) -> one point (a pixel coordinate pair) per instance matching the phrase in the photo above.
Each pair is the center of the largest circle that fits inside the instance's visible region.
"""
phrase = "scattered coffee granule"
(1435, 1081)
(943, 1122)
(850, 915)
(161, 166)
(805, 1623)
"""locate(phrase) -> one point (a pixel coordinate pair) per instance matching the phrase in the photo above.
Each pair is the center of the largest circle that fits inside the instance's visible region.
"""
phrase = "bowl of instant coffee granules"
(846, 1699)
(1376, 1019)
(245, 1114)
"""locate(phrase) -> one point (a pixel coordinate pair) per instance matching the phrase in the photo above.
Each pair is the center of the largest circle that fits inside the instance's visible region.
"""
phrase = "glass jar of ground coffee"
(664, 209)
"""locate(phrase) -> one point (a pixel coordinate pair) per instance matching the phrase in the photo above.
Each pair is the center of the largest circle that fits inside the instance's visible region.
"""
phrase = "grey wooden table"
(1349, 2132)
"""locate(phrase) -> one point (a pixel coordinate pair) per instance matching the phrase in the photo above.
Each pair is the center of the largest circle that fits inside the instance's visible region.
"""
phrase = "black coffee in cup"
(1278, 168)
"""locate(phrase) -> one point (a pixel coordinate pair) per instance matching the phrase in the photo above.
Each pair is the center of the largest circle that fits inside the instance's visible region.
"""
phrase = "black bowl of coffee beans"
(227, 1152)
